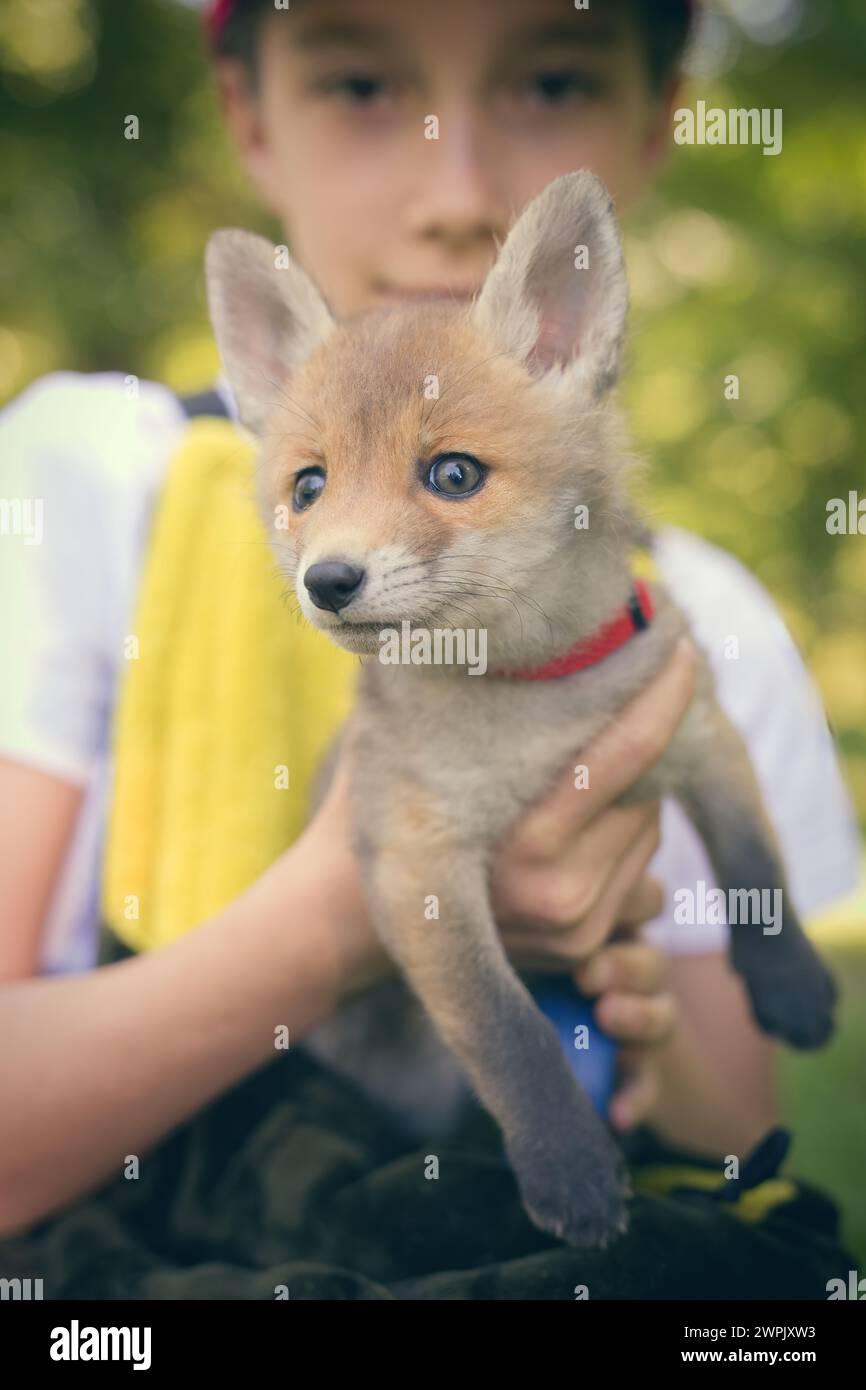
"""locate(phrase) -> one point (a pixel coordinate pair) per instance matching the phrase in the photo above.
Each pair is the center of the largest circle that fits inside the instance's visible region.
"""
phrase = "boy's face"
(336, 134)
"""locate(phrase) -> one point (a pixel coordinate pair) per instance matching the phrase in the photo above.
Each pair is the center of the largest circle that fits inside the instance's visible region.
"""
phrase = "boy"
(328, 103)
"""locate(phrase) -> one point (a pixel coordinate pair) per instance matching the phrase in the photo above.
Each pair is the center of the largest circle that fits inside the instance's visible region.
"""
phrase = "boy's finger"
(635, 966)
(590, 929)
(630, 744)
(636, 1098)
(644, 902)
(636, 1018)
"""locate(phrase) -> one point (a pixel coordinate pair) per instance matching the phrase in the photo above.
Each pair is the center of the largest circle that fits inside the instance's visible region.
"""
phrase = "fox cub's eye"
(455, 475)
(308, 485)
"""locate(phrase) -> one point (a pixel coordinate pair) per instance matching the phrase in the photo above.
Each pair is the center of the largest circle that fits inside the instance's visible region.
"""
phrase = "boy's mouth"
(402, 294)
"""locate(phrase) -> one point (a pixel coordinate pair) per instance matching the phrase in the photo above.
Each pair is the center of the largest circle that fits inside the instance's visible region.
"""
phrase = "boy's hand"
(635, 1006)
(573, 868)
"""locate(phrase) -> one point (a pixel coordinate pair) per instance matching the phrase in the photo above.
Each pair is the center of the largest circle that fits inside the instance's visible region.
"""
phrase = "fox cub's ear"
(557, 295)
(267, 317)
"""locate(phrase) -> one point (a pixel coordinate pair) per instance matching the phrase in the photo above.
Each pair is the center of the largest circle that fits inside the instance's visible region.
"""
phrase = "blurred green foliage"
(739, 262)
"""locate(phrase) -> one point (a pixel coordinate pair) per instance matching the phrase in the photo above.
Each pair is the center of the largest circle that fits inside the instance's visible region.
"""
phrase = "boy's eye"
(358, 88)
(455, 475)
(308, 485)
(554, 87)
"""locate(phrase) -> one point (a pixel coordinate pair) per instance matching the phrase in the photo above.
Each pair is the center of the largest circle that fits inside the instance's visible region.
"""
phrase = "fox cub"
(429, 460)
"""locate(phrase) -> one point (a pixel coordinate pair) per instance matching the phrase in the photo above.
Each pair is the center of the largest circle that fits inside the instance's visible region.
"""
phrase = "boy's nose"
(460, 205)
(333, 584)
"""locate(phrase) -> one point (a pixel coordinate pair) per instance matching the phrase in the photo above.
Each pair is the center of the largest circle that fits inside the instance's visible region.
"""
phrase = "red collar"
(633, 617)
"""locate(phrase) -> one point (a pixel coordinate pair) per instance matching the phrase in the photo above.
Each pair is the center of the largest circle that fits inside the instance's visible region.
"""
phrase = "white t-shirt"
(86, 463)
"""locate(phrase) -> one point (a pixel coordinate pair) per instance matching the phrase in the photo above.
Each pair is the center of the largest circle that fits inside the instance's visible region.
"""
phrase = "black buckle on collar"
(638, 616)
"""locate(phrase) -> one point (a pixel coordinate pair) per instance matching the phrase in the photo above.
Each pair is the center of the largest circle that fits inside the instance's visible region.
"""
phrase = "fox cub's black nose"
(333, 583)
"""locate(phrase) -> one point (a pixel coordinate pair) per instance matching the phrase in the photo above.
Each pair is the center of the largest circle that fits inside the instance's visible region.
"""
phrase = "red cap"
(216, 13)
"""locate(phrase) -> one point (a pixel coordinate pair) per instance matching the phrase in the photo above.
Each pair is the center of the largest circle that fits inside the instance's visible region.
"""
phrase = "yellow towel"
(227, 695)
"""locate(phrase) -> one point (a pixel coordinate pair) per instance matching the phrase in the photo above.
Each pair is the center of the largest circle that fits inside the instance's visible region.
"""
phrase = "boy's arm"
(716, 1085)
(102, 1064)
(715, 1073)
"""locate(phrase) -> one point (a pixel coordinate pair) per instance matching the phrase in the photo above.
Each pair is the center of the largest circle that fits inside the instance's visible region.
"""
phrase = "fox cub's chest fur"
(456, 466)
(486, 749)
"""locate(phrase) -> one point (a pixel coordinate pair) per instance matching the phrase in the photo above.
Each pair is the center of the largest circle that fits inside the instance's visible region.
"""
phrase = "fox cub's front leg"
(429, 898)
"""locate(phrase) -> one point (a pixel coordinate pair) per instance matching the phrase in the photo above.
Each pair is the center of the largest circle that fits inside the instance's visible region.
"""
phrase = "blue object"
(593, 1060)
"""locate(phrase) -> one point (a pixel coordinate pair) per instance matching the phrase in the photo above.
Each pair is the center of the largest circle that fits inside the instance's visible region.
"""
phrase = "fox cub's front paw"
(575, 1189)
